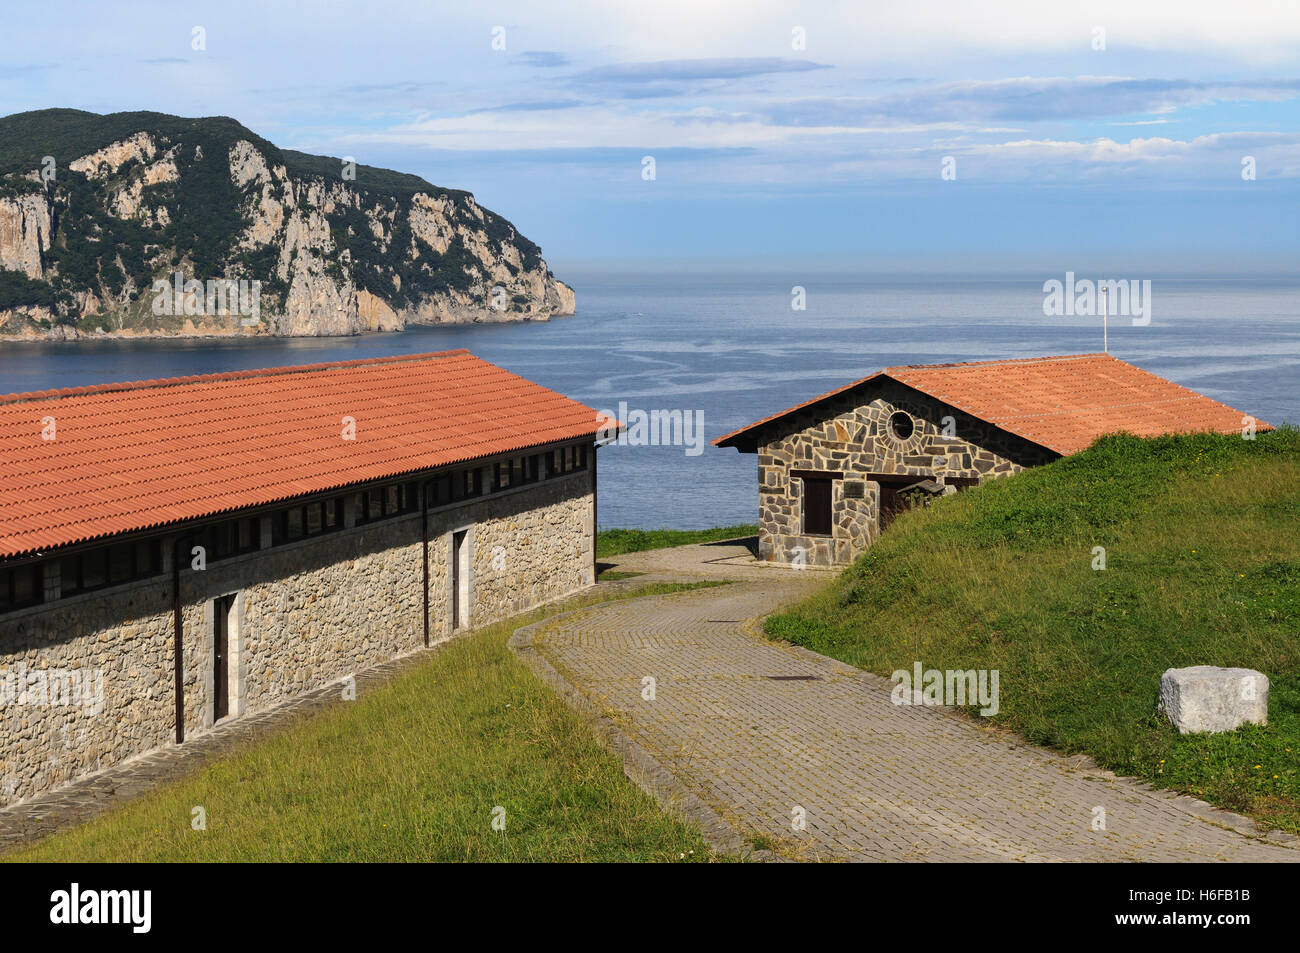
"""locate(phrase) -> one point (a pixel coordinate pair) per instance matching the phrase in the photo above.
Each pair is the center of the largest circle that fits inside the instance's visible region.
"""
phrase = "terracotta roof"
(134, 456)
(1062, 403)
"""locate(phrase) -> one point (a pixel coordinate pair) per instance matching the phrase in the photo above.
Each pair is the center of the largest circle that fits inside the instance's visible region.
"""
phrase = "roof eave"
(733, 439)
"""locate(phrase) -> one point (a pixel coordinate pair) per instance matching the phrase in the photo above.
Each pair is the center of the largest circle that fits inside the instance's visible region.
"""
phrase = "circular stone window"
(901, 425)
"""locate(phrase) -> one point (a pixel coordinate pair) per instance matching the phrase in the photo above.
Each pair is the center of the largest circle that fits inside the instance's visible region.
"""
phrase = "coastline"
(63, 334)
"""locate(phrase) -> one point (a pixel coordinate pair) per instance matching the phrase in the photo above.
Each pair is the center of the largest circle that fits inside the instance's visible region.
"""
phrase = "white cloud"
(887, 31)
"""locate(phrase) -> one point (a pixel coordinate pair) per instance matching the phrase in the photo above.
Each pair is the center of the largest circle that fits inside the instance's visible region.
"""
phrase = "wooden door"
(891, 501)
(221, 612)
(890, 504)
(817, 506)
(457, 577)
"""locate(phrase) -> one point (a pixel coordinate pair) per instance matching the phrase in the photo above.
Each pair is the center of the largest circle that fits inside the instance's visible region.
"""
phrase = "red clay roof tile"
(134, 456)
(1062, 403)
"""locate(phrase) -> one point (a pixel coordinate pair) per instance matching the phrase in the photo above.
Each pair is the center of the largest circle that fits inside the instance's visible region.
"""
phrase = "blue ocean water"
(730, 346)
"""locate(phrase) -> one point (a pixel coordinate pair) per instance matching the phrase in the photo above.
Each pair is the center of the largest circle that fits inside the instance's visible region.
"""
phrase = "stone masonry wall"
(305, 614)
(125, 638)
(850, 435)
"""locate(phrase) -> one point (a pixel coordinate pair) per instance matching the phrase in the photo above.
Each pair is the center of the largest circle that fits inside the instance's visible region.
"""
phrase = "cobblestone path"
(752, 733)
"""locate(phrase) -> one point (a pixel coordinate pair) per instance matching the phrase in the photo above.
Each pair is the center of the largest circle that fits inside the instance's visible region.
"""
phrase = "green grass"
(409, 772)
(1202, 567)
(616, 542)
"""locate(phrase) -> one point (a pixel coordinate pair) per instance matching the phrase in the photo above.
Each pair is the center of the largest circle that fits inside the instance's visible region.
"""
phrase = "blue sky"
(1101, 135)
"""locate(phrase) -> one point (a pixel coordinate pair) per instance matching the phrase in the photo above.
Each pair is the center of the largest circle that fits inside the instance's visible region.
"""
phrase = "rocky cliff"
(125, 223)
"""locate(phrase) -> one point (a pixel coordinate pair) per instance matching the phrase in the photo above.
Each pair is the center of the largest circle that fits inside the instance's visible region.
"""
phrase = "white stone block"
(1205, 698)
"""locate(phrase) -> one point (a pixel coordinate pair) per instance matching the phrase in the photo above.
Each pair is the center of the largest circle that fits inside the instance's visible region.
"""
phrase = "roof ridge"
(160, 382)
(1002, 360)
(962, 392)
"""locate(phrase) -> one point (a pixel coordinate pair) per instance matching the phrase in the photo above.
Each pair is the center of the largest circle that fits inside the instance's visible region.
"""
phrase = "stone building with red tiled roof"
(178, 552)
(833, 471)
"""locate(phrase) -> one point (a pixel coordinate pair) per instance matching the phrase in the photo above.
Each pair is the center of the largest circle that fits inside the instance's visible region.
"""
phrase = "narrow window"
(27, 585)
(223, 540)
(119, 563)
(94, 568)
(22, 586)
(148, 558)
(70, 575)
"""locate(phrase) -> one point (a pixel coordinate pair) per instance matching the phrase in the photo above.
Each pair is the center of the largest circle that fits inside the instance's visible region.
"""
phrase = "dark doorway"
(222, 610)
(457, 577)
(891, 502)
(817, 506)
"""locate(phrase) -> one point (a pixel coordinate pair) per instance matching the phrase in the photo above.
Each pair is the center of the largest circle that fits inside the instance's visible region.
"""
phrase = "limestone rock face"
(493, 275)
(316, 306)
(1205, 698)
(335, 248)
(566, 301)
(375, 313)
(104, 162)
(25, 226)
(130, 202)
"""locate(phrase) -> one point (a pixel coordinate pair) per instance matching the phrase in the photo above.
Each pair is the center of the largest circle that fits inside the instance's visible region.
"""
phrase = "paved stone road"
(876, 781)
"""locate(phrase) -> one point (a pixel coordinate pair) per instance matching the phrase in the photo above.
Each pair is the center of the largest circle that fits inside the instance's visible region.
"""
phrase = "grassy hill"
(409, 772)
(1202, 541)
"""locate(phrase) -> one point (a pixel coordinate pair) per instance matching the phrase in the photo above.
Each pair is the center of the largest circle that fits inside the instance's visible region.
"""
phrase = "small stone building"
(835, 470)
(176, 553)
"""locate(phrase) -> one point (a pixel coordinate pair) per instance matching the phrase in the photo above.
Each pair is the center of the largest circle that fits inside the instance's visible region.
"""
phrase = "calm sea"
(731, 346)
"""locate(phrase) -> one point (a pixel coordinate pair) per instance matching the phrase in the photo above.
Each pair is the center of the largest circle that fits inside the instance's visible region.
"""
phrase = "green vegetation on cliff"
(111, 232)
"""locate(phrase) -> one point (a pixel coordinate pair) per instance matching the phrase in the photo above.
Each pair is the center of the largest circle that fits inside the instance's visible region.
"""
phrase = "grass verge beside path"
(409, 772)
(616, 542)
(1202, 567)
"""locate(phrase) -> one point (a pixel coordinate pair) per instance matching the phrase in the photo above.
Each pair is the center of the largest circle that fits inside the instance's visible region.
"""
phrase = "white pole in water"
(1105, 338)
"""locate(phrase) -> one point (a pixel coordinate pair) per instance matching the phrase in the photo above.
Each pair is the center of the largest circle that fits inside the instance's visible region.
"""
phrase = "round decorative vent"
(901, 425)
